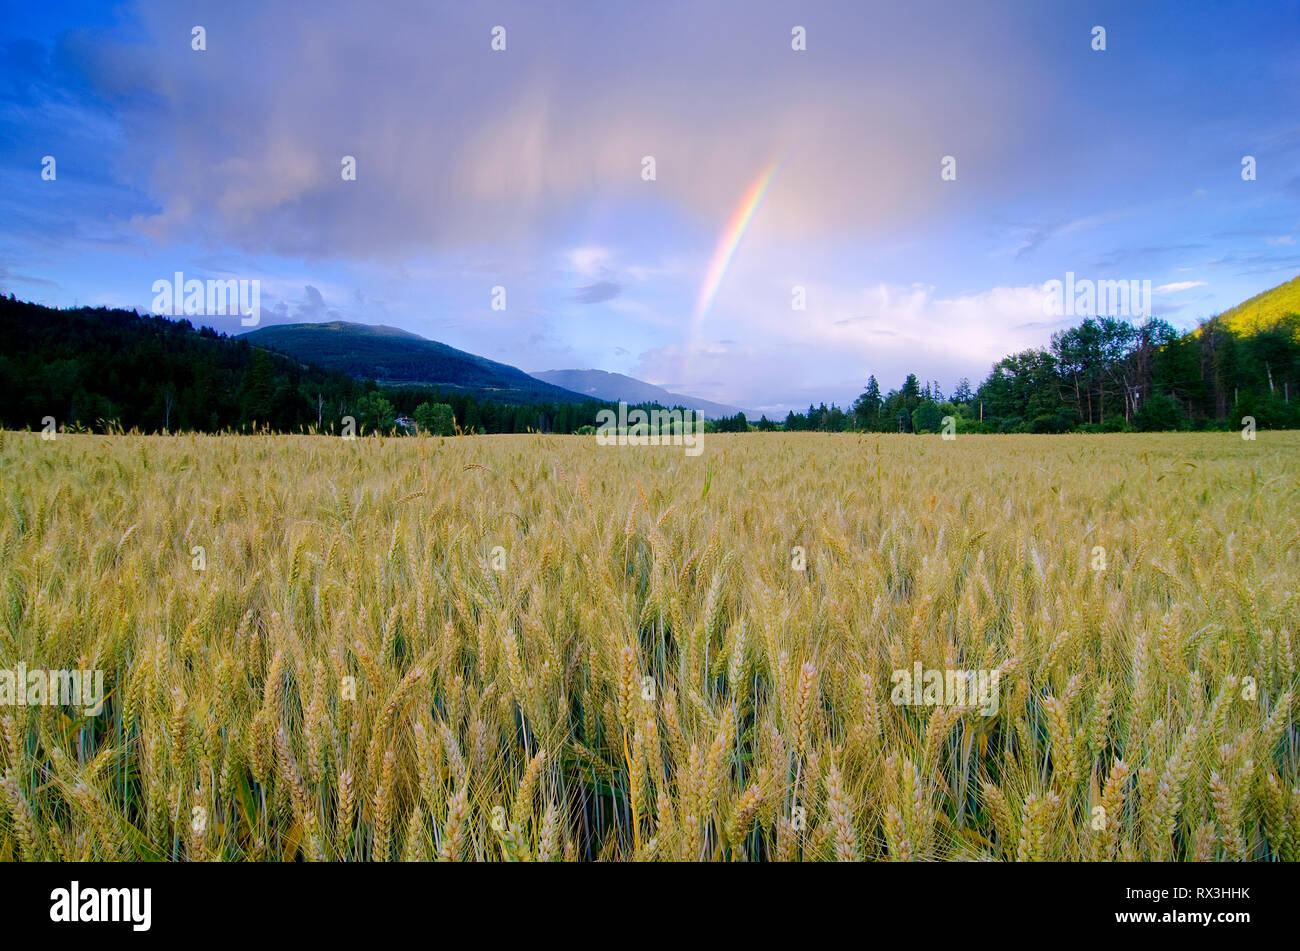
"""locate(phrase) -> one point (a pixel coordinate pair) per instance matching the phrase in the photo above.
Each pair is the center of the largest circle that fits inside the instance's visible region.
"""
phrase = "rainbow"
(726, 249)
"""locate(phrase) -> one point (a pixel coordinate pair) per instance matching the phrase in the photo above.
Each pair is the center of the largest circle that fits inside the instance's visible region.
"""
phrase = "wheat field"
(532, 648)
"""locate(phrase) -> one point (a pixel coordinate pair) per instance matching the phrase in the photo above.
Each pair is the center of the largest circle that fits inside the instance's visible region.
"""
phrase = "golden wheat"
(532, 648)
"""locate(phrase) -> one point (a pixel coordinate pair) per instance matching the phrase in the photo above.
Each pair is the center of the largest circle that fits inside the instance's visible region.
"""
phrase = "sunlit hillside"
(1265, 310)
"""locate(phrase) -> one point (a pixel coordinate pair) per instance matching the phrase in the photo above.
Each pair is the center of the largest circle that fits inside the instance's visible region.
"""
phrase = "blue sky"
(522, 169)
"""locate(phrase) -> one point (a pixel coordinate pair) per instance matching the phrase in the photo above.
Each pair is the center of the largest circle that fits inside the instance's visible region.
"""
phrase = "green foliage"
(866, 410)
(1115, 424)
(731, 424)
(375, 414)
(1058, 422)
(1157, 412)
(436, 419)
(258, 391)
(1109, 375)
(821, 418)
(927, 418)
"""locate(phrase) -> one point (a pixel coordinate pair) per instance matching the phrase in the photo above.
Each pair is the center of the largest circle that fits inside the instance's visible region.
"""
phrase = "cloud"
(1178, 286)
(1281, 239)
(1251, 263)
(1034, 236)
(477, 168)
(752, 354)
(469, 147)
(1144, 258)
(597, 292)
(312, 308)
(590, 261)
(9, 277)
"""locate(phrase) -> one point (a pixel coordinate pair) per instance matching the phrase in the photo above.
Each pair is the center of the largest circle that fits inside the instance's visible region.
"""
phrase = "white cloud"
(784, 358)
(589, 261)
(1178, 286)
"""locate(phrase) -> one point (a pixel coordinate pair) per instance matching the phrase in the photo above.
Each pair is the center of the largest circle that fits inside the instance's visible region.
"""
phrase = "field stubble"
(349, 669)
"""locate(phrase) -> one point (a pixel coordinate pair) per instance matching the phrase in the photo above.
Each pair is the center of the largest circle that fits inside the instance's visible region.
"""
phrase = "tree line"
(1103, 375)
(100, 368)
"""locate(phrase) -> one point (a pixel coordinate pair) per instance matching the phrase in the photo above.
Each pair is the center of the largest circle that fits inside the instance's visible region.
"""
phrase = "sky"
(775, 169)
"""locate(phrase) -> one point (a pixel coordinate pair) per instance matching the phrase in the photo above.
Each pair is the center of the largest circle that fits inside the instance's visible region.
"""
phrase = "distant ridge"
(395, 357)
(603, 385)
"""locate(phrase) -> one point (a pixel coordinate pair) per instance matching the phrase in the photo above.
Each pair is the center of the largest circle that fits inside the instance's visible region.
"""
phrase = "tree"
(835, 420)
(1081, 357)
(867, 406)
(1176, 371)
(1117, 338)
(911, 392)
(374, 413)
(731, 424)
(435, 418)
(1157, 413)
(259, 389)
(169, 401)
(926, 418)
(1022, 387)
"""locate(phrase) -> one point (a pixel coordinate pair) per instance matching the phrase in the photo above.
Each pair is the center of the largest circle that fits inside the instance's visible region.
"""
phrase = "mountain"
(113, 369)
(1263, 310)
(393, 357)
(87, 367)
(601, 385)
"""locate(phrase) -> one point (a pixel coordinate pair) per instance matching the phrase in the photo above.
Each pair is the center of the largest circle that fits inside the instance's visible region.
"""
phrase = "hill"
(396, 358)
(84, 365)
(1264, 310)
(101, 368)
(602, 385)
